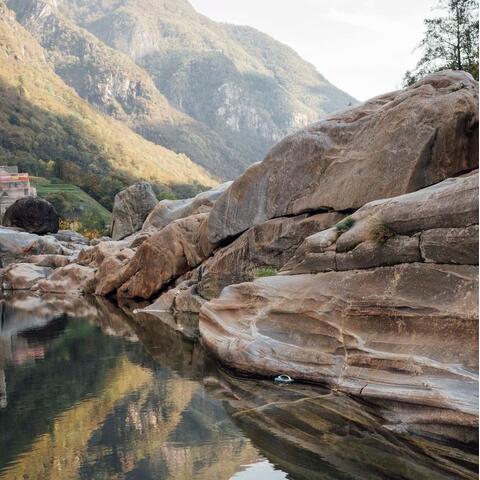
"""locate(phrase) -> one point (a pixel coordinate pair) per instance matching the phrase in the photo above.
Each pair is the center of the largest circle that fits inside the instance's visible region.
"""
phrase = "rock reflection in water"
(82, 397)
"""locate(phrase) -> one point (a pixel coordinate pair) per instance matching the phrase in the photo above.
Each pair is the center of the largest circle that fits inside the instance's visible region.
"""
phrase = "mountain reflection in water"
(91, 391)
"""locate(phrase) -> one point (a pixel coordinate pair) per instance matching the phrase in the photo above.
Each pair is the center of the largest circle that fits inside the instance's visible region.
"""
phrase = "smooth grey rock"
(15, 245)
(69, 236)
(130, 208)
(404, 336)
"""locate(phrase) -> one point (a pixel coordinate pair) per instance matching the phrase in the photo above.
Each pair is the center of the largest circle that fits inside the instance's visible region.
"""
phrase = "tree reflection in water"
(89, 390)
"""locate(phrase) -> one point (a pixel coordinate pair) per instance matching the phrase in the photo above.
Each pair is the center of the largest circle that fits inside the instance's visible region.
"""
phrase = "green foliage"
(344, 225)
(75, 207)
(49, 145)
(268, 271)
(450, 41)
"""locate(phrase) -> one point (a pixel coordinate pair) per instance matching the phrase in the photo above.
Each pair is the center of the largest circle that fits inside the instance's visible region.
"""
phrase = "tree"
(450, 41)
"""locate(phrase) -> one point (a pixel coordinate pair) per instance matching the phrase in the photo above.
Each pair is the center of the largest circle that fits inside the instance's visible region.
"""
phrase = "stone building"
(13, 185)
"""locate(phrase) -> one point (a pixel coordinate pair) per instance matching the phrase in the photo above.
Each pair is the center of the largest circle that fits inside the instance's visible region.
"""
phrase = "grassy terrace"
(75, 196)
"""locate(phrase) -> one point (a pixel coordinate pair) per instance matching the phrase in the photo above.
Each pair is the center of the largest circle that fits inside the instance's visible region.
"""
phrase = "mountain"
(219, 93)
(47, 129)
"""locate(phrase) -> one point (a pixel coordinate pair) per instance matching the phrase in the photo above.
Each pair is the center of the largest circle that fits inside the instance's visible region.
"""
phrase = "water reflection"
(89, 391)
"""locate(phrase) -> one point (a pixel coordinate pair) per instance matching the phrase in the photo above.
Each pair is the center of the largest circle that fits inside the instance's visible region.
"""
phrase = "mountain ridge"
(225, 101)
(47, 129)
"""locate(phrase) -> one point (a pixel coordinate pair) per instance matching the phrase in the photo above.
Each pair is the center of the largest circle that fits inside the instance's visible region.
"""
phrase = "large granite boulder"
(32, 214)
(405, 335)
(268, 245)
(392, 144)
(130, 208)
(164, 256)
(166, 211)
(436, 224)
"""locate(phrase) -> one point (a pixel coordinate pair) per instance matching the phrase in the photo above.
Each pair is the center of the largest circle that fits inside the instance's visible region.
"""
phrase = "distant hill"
(48, 130)
(221, 94)
(74, 205)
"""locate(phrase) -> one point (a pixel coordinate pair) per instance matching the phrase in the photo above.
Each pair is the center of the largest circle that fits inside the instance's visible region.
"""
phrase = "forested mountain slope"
(47, 129)
(219, 93)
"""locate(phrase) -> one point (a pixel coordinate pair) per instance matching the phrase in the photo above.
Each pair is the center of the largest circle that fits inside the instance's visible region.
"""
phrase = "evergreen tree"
(450, 41)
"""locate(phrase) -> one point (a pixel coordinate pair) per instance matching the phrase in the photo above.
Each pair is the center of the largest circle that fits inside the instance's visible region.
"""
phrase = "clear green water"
(87, 392)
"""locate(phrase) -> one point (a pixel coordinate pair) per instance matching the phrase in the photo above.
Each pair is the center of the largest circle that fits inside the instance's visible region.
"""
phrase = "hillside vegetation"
(76, 208)
(48, 130)
(221, 94)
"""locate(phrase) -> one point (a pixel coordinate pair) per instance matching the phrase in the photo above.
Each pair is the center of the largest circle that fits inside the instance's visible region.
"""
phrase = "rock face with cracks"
(406, 334)
(437, 224)
(164, 256)
(130, 209)
(269, 244)
(392, 144)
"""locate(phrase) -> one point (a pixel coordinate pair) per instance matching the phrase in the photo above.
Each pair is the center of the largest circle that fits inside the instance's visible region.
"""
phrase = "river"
(89, 390)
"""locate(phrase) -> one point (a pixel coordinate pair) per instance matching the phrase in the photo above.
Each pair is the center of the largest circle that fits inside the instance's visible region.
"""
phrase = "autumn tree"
(450, 41)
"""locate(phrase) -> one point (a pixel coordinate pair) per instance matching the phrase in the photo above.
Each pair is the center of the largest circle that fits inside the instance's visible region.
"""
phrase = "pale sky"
(362, 46)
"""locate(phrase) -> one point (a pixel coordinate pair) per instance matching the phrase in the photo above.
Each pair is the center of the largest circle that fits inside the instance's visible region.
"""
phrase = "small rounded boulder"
(32, 214)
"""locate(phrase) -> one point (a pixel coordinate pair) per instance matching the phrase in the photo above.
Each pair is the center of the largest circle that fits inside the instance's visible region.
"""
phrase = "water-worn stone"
(15, 245)
(106, 278)
(409, 139)
(270, 244)
(23, 276)
(130, 208)
(164, 256)
(94, 256)
(52, 261)
(404, 229)
(32, 214)
(178, 308)
(450, 245)
(71, 279)
(166, 211)
(406, 334)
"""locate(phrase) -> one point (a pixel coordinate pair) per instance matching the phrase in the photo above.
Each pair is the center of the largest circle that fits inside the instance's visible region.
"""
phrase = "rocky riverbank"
(365, 229)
